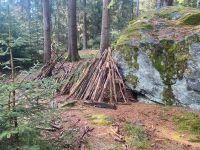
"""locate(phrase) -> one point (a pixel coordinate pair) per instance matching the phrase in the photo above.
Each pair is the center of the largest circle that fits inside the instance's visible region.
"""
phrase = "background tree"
(169, 2)
(137, 8)
(47, 31)
(105, 29)
(72, 32)
(158, 4)
(84, 26)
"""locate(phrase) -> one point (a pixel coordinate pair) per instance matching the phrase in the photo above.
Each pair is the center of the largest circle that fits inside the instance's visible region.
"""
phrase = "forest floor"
(156, 121)
(133, 126)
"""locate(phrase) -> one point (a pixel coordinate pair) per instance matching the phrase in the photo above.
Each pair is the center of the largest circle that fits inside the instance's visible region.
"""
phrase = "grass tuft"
(188, 122)
(136, 136)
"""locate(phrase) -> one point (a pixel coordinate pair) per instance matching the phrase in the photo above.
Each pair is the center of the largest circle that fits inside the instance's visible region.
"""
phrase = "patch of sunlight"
(101, 119)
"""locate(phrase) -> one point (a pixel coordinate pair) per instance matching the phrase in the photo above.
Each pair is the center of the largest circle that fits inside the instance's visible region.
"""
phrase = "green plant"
(188, 121)
(20, 122)
(136, 136)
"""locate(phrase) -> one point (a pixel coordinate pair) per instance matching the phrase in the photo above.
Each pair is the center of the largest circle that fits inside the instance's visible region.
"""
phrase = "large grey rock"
(149, 81)
(175, 15)
(150, 84)
(160, 60)
(187, 90)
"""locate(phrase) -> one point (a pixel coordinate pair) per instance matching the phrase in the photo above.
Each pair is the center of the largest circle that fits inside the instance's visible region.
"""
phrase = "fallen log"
(101, 105)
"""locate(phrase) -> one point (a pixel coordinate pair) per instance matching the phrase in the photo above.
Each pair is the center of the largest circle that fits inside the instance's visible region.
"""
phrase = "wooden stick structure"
(101, 82)
(96, 82)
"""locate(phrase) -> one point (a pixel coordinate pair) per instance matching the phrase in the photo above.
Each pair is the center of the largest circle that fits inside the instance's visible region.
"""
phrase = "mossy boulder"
(183, 15)
(159, 56)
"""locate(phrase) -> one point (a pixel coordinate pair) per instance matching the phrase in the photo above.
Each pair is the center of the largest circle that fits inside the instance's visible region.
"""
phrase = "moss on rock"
(188, 16)
(168, 96)
(132, 79)
(168, 53)
(133, 31)
(190, 19)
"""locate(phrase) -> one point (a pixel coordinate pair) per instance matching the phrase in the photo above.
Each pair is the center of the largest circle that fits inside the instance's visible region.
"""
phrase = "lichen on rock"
(156, 54)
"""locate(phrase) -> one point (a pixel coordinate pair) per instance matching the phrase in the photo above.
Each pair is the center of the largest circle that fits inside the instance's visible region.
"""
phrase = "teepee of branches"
(101, 82)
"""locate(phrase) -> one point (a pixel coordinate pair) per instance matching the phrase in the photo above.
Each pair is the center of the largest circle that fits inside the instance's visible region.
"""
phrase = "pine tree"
(105, 27)
(47, 30)
(72, 32)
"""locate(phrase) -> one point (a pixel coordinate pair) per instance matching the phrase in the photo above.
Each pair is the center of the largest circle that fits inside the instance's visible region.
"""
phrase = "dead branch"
(101, 82)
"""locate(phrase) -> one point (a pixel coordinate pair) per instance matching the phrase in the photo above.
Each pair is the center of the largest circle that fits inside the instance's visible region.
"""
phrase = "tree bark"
(132, 13)
(137, 8)
(72, 32)
(47, 31)
(158, 4)
(105, 27)
(29, 18)
(169, 2)
(84, 26)
(57, 19)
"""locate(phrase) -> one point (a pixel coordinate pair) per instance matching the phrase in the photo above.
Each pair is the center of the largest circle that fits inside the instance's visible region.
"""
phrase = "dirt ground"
(155, 119)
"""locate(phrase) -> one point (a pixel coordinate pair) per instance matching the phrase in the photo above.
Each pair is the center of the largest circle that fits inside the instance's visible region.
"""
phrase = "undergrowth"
(136, 137)
(188, 121)
(21, 123)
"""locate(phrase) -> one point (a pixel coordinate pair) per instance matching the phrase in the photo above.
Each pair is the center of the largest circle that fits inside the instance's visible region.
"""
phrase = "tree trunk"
(169, 2)
(158, 4)
(47, 31)
(137, 8)
(72, 32)
(57, 17)
(198, 3)
(105, 27)
(29, 18)
(84, 26)
(132, 13)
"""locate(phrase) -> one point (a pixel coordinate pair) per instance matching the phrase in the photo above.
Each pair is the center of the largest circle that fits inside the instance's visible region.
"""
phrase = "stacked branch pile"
(96, 81)
(101, 82)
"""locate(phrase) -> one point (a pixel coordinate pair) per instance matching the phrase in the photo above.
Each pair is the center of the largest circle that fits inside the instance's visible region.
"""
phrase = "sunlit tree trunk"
(105, 27)
(84, 26)
(72, 32)
(137, 8)
(47, 31)
(198, 3)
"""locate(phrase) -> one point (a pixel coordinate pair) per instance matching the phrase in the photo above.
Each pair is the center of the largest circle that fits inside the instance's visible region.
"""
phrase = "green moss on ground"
(188, 121)
(100, 119)
(117, 147)
(135, 136)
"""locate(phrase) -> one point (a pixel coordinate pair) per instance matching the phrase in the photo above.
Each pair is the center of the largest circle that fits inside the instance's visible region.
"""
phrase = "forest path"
(155, 119)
